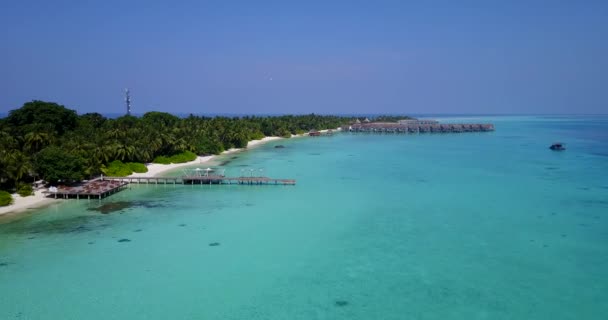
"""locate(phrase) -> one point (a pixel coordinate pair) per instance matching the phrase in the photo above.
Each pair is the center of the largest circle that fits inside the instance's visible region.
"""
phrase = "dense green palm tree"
(36, 140)
(102, 153)
(17, 166)
(96, 141)
(123, 152)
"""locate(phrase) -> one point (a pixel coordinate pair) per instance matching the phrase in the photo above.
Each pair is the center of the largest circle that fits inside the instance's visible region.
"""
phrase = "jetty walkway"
(102, 187)
(204, 179)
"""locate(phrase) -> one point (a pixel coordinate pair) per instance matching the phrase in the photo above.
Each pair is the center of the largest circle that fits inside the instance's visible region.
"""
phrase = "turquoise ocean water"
(453, 226)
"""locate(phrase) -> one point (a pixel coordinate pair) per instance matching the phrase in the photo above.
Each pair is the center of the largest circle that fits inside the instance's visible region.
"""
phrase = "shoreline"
(155, 169)
(22, 204)
(38, 200)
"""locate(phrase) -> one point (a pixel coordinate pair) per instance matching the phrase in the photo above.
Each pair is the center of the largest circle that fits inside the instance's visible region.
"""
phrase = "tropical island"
(45, 141)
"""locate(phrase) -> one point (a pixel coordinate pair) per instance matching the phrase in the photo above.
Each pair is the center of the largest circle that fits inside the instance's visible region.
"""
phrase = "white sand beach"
(23, 203)
(155, 169)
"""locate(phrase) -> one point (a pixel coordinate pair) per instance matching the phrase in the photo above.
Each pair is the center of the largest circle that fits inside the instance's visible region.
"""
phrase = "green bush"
(257, 136)
(176, 158)
(185, 156)
(5, 198)
(137, 167)
(25, 190)
(284, 133)
(117, 168)
(209, 147)
(162, 160)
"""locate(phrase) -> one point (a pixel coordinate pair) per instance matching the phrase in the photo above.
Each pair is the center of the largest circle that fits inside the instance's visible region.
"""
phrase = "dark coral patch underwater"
(75, 225)
(118, 206)
(341, 303)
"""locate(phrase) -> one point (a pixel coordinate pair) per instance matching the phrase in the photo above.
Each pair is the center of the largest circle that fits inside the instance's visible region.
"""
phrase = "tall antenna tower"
(128, 101)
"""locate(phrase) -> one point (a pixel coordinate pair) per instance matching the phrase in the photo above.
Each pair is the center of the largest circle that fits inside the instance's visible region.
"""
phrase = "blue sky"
(307, 56)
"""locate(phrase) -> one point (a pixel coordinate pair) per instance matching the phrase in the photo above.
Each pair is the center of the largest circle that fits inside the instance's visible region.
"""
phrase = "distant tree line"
(44, 140)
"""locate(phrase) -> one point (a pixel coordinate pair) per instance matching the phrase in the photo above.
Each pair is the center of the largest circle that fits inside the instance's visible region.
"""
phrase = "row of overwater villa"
(415, 126)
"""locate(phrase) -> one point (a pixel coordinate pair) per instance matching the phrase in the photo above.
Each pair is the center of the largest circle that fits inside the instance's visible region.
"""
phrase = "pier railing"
(205, 179)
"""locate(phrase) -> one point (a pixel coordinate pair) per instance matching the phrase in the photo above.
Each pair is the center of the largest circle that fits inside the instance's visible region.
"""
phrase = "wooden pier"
(204, 179)
(105, 186)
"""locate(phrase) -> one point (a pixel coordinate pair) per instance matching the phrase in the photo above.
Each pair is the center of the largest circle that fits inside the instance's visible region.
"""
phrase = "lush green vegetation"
(118, 168)
(137, 167)
(185, 156)
(25, 190)
(5, 198)
(49, 141)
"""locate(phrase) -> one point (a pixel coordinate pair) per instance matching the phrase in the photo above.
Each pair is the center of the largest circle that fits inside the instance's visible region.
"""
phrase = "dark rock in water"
(557, 147)
(80, 229)
(234, 158)
(138, 230)
(183, 225)
(341, 303)
(125, 205)
(314, 154)
(31, 238)
(214, 244)
(91, 242)
(280, 146)
(69, 225)
(3, 264)
(124, 240)
(563, 235)
(223, 163)
(107, 208)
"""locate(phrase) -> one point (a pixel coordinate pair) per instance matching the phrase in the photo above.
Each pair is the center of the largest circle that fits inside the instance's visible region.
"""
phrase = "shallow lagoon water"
(452, 226)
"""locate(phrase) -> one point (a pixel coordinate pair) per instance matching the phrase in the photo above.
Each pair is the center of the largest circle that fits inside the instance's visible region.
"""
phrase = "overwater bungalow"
(412, 126)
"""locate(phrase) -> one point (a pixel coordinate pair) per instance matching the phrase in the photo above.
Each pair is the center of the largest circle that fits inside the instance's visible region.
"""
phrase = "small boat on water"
(558, 146)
